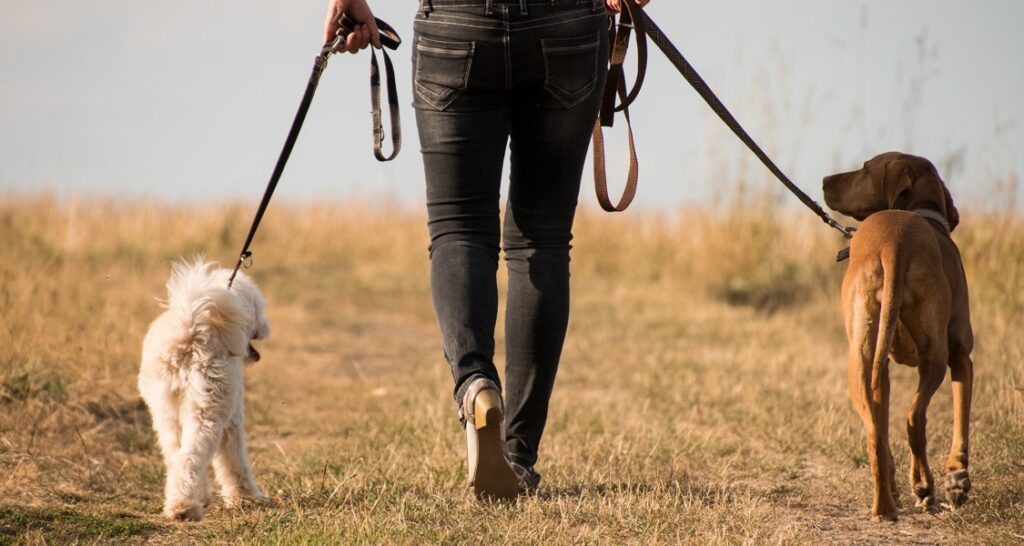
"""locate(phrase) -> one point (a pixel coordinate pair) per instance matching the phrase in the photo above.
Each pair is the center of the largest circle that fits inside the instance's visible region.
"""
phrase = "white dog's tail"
(209, 312)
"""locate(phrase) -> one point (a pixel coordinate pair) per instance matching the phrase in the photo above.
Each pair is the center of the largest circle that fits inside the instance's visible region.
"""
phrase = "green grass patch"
(30, 381)
(66, 525)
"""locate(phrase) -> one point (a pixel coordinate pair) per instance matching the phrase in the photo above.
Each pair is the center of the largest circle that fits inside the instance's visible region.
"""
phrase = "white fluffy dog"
(191, 379)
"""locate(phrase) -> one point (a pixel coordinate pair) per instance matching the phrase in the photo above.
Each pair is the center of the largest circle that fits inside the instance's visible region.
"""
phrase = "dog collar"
(927, 214)
(934, 216)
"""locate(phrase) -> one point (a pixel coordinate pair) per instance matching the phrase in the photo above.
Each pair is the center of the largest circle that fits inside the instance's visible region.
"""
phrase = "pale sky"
(190, 101)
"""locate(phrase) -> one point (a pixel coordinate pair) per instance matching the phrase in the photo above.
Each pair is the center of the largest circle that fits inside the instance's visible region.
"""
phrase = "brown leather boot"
(490, 475)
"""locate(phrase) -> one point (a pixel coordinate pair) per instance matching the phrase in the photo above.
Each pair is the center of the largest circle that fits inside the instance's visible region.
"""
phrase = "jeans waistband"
(426, 6)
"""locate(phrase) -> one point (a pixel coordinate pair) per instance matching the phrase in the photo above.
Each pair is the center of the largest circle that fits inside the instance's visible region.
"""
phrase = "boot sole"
(494, 479)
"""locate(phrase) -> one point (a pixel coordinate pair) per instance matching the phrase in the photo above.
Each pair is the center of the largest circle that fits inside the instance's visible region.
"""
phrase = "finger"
(364, 36)
(352, 42)
(330, 27)
(613, 5)
(357, 39)
(331, 21)
(374, 33)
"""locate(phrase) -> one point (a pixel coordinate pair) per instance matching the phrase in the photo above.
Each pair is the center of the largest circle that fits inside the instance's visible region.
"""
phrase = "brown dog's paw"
(885, 509)
(889, 517)
(958, 484)
(924, 495)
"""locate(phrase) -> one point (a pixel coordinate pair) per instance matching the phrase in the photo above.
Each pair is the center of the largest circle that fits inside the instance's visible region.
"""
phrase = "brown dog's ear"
(952, 215)
(897, 180)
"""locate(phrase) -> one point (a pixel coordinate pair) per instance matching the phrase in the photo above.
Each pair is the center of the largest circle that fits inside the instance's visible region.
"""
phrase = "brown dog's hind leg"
(873, 408)
(922, 482)
(894, 487)
(958, 480)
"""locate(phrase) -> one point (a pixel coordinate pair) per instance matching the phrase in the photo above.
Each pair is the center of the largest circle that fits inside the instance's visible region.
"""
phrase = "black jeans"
(487, 72)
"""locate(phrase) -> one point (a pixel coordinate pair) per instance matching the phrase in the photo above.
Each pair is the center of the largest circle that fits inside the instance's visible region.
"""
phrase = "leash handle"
(393, 108)
(631, 19)
(619, 31)
(601, 170)
(389, 37)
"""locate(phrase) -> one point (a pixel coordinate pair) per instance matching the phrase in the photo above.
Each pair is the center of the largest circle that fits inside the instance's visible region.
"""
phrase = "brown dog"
(905, 292)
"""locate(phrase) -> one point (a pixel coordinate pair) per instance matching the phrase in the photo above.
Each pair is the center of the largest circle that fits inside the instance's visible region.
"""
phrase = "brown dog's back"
(905, 294)
(893, 259)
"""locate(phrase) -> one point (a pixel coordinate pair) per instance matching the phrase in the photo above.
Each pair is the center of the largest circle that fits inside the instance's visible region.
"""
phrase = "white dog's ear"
(246, 288)
(230, 320)
(262, 328)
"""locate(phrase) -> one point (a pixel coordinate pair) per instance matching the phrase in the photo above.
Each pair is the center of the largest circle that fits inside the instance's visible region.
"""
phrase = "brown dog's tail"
(892, 295)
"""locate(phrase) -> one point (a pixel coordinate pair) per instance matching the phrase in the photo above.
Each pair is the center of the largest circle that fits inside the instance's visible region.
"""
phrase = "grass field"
(702, 397)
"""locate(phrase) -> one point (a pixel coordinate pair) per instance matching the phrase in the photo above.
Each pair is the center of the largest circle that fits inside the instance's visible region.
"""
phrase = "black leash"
(646, 27)
(389, 39)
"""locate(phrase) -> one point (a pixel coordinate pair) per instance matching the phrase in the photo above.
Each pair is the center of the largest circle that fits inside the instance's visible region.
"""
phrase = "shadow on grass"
(688, 486)
(66, 525)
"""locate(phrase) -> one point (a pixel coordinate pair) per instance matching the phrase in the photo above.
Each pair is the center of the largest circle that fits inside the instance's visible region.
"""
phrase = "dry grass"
(702, 397)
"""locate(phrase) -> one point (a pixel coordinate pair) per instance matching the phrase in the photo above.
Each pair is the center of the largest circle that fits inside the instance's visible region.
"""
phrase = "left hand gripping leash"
(389, 39)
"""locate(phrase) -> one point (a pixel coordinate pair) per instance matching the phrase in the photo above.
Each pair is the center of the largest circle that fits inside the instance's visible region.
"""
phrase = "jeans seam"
(494, 25)
(507, 43)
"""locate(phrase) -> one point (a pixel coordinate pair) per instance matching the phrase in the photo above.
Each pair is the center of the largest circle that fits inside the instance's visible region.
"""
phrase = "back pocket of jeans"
(442, 70)
(570, 67)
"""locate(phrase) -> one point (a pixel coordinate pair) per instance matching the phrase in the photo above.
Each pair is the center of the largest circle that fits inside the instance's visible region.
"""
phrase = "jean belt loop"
(426, 6)
(523, 10)
(489, 7)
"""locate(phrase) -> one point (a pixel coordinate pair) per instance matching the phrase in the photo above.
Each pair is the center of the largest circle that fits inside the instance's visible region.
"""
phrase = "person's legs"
(478, 79)
(463, 118)
(462, 115)
(463, 156)
(560, 74)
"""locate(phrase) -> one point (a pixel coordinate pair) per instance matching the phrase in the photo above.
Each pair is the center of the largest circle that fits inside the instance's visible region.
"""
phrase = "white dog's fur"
(191, 379)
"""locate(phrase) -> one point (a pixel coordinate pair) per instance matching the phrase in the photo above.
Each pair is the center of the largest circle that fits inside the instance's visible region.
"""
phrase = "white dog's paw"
(184, 511)
(240, 500)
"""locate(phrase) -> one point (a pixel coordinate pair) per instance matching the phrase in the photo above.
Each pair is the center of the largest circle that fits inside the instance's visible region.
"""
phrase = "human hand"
(616, 5)
(365, 32)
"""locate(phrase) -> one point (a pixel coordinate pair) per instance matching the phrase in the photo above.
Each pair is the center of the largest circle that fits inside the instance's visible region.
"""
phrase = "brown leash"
(634, 16)
(619, 38)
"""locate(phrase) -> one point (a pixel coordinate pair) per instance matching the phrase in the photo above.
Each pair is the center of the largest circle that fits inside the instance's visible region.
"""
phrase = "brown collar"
(934, 216)
(927, 214)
